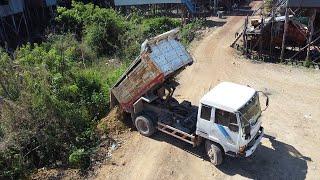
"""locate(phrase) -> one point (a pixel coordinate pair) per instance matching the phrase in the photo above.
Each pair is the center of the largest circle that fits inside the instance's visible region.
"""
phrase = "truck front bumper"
(256, 141)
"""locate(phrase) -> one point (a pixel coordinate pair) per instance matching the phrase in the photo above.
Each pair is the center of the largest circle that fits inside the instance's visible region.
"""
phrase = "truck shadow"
(280, 161)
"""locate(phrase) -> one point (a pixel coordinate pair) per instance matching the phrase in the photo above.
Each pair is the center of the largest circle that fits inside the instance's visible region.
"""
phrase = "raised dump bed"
(161, 58)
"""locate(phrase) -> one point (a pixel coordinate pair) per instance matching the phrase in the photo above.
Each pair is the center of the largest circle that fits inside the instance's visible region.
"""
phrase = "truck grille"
(253, 140)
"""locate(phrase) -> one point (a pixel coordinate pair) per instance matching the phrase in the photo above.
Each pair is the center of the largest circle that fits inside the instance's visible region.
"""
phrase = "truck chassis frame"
(189, 138)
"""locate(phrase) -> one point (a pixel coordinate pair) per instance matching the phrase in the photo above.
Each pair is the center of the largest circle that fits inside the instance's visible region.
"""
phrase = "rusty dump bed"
(161, 57)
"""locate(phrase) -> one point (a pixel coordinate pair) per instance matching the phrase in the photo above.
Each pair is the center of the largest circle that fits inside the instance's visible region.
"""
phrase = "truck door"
(205, 120)
(226, 123)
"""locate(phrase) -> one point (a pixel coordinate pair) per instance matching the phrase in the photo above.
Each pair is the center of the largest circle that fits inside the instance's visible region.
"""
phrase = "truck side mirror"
(267, 100)
(233, 127)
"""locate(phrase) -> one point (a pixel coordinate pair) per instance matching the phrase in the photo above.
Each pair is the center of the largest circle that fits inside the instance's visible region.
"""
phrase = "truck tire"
(214, 153)
(145, 125)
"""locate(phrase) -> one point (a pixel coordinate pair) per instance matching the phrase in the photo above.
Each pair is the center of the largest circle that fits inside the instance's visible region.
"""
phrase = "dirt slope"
(290, 149)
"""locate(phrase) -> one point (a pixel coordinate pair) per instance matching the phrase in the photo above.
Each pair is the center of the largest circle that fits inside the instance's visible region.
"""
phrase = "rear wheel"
(214, 153)
(144, 125)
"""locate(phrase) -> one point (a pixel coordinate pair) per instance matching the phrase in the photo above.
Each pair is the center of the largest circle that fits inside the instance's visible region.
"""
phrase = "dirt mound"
(114, 123)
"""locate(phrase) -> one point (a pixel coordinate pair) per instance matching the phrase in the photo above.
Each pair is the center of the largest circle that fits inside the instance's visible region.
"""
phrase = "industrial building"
(24, 20)
(178, 7)
(289, 33)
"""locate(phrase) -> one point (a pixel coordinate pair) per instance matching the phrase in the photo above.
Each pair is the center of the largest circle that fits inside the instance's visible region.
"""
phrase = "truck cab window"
(205, 112)
(225, 118)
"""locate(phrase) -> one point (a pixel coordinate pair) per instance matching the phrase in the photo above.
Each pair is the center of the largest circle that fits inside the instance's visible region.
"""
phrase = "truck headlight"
(242, 149)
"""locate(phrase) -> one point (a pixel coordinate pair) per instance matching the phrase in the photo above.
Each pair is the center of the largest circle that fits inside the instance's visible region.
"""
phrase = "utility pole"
(311, 31)
(271, 34)
(245, 36)
(284, 37)
(215, 5)
(261, 37)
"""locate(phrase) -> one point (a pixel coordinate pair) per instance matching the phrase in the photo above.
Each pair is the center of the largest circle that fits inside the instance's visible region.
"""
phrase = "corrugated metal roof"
(16, 6)
(5, 10)
(304, 3)
(51, 2)
(141, 2)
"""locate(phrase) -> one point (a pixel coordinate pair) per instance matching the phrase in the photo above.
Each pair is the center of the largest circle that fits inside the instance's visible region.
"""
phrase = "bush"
(11, 165)
(154, 26)
(93, 93)
(8, 77)
(96, 38)
(104, 35)
(141, 29)
(188, 32)
(79, 158)
(56, 106)
(73, 20)
(100, 28)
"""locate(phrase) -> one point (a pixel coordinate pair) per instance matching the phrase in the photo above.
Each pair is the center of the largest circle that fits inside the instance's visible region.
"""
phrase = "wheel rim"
(142, 126)
(211, 155)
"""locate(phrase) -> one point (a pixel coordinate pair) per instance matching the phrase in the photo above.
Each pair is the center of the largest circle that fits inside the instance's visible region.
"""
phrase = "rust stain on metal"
(143, 77)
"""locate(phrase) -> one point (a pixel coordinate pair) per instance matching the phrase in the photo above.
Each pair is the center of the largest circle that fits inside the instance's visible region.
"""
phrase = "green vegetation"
(56, 92)
(188, 32)
(79, 158)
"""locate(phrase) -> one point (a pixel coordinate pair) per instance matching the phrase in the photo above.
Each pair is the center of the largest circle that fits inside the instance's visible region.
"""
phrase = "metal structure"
(23, 20)
(289, 33)
(185, 7)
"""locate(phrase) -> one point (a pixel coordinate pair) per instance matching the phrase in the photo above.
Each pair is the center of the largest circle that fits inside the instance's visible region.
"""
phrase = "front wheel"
(145, 125)
(214, 153)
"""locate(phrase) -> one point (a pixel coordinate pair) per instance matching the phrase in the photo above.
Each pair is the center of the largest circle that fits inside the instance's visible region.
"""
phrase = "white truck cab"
(228, 116)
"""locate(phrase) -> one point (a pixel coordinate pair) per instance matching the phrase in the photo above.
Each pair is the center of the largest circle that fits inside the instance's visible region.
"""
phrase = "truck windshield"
(251, 111)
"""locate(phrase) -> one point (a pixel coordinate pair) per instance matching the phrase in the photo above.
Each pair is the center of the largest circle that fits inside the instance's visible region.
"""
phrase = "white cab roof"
(228, 96)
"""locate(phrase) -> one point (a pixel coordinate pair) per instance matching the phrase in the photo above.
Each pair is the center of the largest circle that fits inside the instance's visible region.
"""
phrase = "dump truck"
(227, 120)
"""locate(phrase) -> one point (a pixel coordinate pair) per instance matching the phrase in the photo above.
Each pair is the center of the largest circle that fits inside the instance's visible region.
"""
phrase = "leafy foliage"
(10, 164)
(188, 32)
(7, 77)
(154, 26)
(79, 158)
(57, 106)
(101, 28)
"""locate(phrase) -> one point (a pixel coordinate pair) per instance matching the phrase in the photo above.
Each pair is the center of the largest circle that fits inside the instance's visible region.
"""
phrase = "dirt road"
(290, 149)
